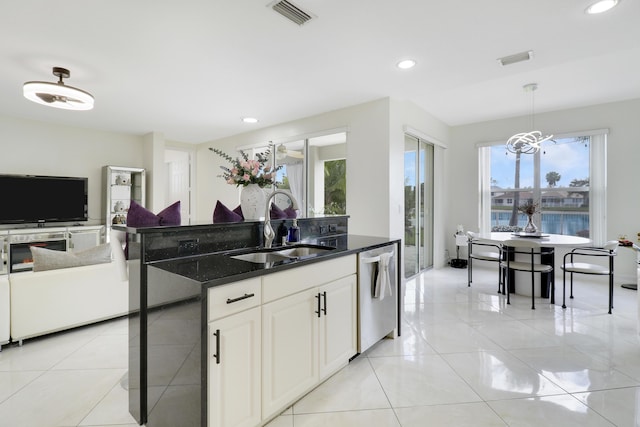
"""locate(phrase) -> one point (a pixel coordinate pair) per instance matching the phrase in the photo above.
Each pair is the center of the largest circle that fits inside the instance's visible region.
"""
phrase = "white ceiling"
(191, 69)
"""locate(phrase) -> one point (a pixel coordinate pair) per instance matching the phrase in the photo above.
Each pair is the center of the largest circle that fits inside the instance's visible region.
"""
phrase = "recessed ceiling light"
(249, 120)
(406, 64)
(601, 6)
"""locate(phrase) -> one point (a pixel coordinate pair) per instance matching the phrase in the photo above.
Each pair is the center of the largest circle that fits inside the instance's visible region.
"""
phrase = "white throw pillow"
(48, 259)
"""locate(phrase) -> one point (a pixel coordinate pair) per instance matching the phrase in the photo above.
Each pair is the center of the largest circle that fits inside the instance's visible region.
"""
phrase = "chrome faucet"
(269, 234)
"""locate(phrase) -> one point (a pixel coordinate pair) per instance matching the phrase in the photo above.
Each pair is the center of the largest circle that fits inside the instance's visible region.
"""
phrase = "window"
(314, 170)
(566, 178)
(418, 204)
(335, 187)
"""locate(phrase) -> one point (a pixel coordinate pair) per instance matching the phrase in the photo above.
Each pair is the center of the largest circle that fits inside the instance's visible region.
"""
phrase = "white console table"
(69, 238)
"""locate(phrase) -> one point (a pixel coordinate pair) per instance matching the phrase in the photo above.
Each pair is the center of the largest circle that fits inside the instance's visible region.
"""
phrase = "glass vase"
(530, 228)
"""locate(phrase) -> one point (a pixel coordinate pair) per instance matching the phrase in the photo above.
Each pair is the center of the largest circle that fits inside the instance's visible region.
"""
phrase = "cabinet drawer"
(289, 282)
(234, 297)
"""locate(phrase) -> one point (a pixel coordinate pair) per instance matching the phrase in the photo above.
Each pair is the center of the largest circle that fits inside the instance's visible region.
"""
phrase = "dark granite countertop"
(219, 268)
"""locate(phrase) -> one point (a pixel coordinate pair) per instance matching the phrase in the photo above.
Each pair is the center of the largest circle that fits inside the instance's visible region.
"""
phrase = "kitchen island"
(225, 341)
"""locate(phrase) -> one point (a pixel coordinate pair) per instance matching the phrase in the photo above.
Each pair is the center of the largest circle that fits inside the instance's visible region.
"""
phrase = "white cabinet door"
(234, 370)
(338, 327)
(290, 349)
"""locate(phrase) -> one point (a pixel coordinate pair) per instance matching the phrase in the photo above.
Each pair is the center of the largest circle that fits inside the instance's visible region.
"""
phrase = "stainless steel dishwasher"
(377, 295)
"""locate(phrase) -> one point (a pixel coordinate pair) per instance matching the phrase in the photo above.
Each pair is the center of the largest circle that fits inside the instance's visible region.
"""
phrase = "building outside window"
(566, 178)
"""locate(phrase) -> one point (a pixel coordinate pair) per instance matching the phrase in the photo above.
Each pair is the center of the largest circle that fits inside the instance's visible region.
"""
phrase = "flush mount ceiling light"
(249, 120)
(406, 64)
(601, 6)
(527, 142)
(58, 95)
(282, 153)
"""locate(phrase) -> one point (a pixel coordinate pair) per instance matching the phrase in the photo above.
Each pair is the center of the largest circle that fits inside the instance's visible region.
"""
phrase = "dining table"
(520, 282)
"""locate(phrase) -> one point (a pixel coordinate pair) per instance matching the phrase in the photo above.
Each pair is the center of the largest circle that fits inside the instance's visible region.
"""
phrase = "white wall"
(31, 147)
(623, 201)
(375, 161)
(367, 131)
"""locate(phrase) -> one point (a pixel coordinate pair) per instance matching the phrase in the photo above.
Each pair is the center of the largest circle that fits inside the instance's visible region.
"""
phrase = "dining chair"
(481, 250)
(533, 252)
(576, 264)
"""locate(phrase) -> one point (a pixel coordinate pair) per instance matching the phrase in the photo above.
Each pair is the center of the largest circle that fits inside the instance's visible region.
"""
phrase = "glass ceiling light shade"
(527, 142)
(58, 95)
(601, 6)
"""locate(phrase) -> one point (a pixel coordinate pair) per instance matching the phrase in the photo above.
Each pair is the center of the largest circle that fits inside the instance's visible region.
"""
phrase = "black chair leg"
(571, 279)
(504, 280)
(533, 286)
(564, 288)
(610, 292)
(507, 287)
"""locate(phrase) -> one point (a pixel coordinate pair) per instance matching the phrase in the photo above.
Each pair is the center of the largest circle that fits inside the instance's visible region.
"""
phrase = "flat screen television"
(41, 199)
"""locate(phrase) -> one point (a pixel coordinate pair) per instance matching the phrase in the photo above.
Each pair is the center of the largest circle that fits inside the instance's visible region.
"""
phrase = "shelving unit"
(121, 185)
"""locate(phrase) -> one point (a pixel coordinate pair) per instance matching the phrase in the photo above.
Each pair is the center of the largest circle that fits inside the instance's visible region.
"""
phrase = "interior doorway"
(178, 181)
(418, 205)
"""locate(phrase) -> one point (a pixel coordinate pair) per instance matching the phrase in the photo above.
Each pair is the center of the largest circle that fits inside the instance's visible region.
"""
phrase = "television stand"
(15, 243)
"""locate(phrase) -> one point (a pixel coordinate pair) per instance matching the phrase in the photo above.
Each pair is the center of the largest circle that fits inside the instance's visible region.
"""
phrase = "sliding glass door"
(418, 205)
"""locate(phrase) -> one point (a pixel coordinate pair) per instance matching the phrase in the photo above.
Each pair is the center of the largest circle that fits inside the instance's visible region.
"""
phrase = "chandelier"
(527, 142)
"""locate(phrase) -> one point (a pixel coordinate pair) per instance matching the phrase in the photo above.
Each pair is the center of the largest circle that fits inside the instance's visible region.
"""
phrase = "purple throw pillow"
(221, 213)
(238, 210)
(290, 212)
(138, 216)
(277, 213)
(170, 215)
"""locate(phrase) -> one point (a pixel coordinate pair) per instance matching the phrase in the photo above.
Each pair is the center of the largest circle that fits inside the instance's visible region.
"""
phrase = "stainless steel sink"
(261, 257)
(264, 256)
(304, 251)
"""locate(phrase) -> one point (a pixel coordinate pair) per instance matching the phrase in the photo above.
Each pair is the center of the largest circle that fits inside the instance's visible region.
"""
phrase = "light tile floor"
(465, 358)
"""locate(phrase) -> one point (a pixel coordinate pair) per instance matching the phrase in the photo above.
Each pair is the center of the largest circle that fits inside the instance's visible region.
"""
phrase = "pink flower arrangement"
(245, 171)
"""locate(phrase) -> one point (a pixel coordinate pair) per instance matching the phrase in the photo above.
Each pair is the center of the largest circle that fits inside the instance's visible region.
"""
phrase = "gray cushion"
(583, 267)
(47, 259)
(486, 256)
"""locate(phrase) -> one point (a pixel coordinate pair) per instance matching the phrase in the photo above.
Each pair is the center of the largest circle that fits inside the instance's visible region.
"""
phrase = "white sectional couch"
(5, 304)
(50, 301)
(43, 302)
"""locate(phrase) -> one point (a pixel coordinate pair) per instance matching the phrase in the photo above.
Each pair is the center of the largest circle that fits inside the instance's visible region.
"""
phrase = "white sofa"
(43, 302)
(49, 301)
(5, 304)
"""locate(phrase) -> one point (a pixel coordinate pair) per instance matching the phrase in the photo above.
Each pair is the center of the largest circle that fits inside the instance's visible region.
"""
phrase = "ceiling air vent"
(291, 12)
(518, 57)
